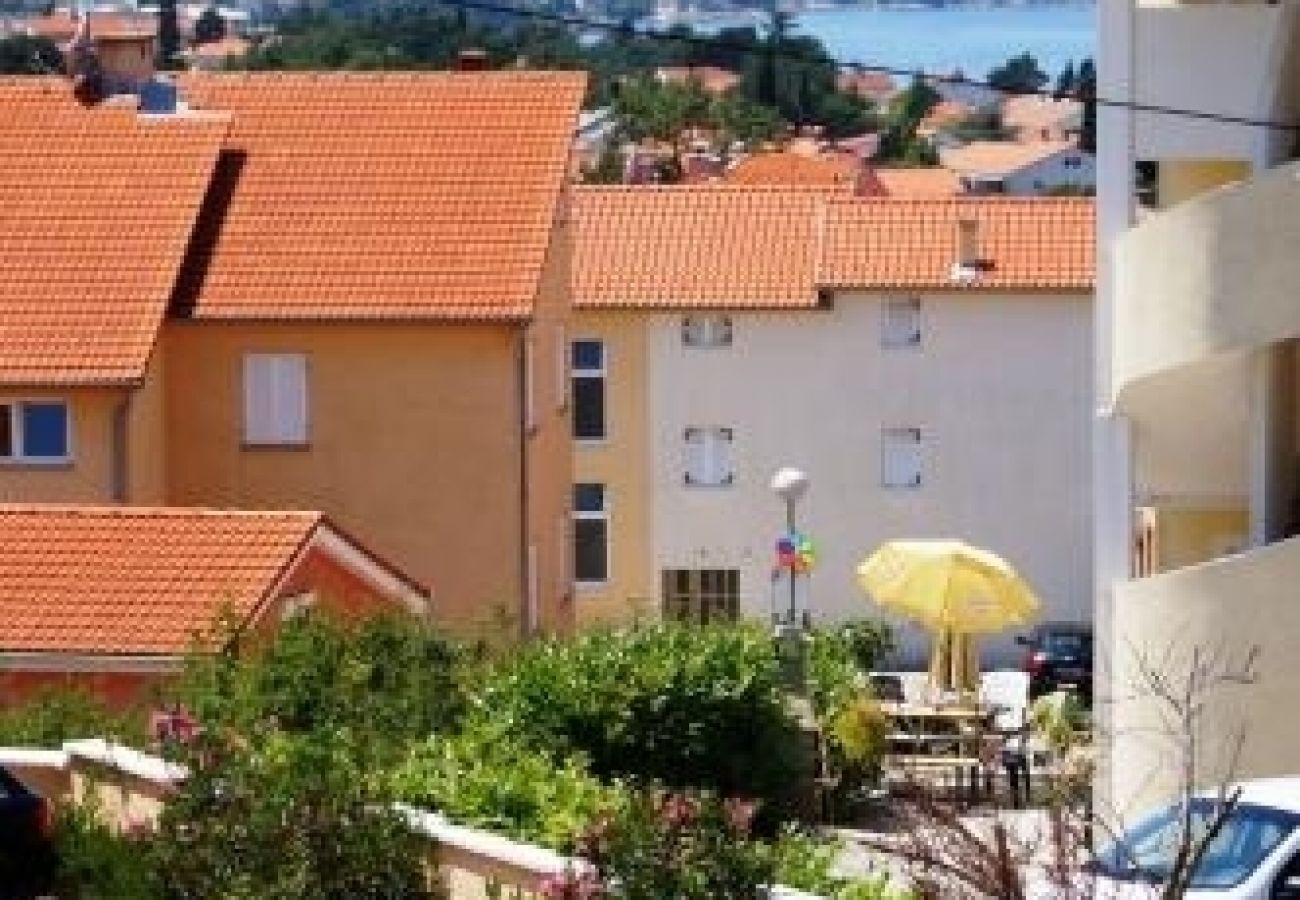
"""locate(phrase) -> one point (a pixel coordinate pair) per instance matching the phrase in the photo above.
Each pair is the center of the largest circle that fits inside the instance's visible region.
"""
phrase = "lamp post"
(790, 485)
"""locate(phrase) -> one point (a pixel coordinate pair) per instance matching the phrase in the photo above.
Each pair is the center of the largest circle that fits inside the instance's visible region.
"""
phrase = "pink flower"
(739, 813)
(678, 810)
(571, 885)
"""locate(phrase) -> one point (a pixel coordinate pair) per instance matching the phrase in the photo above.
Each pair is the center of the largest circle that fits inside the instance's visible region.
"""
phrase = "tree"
(209, 26)
(1019, 75)
(1086, 87)
(169, 35)
(24, 55)
(1068, 81)
(899, 142)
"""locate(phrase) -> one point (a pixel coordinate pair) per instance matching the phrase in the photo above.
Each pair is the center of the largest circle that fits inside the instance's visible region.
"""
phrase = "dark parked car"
(27, 859)
(1059, 657)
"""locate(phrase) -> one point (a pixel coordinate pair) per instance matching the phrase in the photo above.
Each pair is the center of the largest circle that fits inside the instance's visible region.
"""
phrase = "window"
(707, 331)
(590, 534)
(708, 457)
(298, 605)
(900, 458)
(701, 595)
(275, 399)
(35, 431)
(900, 324)
(588, 365)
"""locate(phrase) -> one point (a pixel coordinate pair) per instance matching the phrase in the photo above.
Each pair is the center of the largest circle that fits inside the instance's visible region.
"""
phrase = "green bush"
(686, 707)
(61, 714)
(387, 682)
(97, 863)
(281, 817)
(806, 862)
(488, 779)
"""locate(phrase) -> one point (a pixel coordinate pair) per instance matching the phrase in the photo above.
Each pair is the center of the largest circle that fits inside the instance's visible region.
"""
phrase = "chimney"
(472, 59)
(968, 244)
(109, 57)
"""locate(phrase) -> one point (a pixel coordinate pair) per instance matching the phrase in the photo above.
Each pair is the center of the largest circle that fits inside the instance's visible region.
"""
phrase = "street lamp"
(790, 485)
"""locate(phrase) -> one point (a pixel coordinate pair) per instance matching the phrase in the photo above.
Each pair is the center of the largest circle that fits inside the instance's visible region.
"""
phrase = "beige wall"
(621, 463)
(1000, 388)
(414, 445)
(1224, 607)
(1181, 180)
(1185, 537)
(146, 472)
(88, 478)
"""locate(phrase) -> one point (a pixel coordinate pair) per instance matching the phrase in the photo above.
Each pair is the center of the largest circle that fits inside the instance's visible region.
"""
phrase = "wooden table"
(943, 738)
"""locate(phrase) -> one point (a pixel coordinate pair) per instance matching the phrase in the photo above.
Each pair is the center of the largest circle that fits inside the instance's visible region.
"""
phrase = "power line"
(628, 30)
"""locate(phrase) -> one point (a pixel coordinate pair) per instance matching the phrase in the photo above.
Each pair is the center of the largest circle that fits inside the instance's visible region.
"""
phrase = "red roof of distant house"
(383, 195)
(96, 209)
(713, 79)
(60, 25)
(783, 167)
(224, 48)
(877, 86)
(919, 182)
(138, 580)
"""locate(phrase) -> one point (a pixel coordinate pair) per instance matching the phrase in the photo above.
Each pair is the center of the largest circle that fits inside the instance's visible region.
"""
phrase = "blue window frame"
(35, 431)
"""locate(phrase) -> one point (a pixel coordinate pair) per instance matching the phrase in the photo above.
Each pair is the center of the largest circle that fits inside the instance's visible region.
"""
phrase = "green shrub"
(806, 862)
(387, 682)
(687, 707)
(489, 779)
(285, 816)
(97, 863)
(686, 846)
(61, 714)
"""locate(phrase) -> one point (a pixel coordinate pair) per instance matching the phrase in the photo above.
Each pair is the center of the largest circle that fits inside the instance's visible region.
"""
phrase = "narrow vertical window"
(707, 331)
(275, 399)
(588, 377)
(900, 458)
(590, 534)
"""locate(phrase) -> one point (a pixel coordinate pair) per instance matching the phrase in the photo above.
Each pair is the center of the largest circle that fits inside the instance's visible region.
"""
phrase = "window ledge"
(258, 446)
(590, 587)
(591, 443)
(63, 462)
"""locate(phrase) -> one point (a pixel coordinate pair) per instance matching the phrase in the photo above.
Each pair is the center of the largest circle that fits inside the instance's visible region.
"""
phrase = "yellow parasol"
(953, 589)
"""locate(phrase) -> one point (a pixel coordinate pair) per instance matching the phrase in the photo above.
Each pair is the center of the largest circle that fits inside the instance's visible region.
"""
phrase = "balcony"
(1235, 59)
(1227, 605)
(1210, 278)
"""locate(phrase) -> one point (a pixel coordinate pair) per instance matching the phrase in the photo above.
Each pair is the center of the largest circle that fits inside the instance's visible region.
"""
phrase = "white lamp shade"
(790, 484)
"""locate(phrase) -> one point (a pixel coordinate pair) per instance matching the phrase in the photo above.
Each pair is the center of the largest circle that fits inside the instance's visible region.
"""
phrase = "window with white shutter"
(708, 457)
(900, 458)
(275, 399)
(900, 324)
(707, 331)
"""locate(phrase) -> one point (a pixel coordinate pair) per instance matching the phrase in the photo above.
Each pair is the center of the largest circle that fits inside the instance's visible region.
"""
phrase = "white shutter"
(697, 460)
(275, 398)
(708, 456)
(900, 459)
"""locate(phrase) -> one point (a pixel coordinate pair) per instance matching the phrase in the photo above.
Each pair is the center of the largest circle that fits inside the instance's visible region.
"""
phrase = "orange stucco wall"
(550, 442)
(88, 478)
(414, 445)
(118, 690)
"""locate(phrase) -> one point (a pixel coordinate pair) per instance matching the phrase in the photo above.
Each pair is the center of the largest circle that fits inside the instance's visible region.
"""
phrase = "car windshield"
(1067, 643)
(1250, 834)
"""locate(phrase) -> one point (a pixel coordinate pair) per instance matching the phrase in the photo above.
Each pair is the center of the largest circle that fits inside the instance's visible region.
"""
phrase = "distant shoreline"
(758, 12)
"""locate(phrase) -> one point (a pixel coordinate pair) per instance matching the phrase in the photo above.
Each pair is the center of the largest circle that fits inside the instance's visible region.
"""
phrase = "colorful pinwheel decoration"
(796, 554)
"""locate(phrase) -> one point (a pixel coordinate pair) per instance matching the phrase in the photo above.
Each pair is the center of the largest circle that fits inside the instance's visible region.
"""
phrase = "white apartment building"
(1197, 430)
(925, 362)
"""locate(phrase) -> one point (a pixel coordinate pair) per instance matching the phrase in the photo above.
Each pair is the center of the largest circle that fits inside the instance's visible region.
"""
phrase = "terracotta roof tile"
(797, 169)
(96, 209)
(712, 79)
(718, 246)
(369, 196)
(929, 182)
(132, 579)
(997, 158)
(60, 25)
(1027, 243)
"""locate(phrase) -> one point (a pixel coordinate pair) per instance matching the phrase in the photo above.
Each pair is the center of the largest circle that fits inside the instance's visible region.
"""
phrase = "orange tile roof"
(716, 247)
(876, 86)
(929, 182)
(60, 25)
(945, 113)
(96, 209)
(133, 579)
(997, 158)
(382, 196)
(220, 49)
(1027, 243)
(784, 167)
